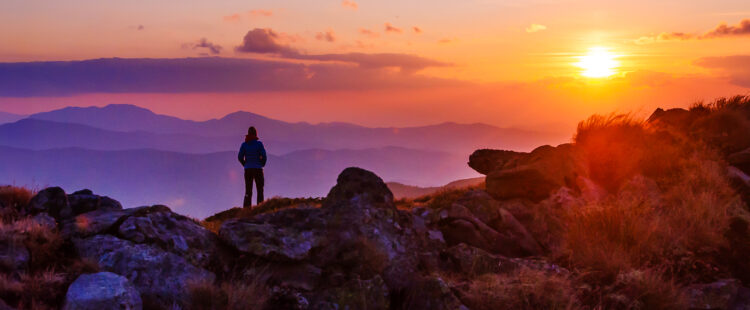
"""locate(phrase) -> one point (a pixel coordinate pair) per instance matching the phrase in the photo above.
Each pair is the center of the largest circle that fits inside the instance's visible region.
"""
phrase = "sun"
(599, 62)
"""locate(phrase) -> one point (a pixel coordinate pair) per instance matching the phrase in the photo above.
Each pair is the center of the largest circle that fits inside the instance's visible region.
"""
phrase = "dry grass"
(43, 290)
(12, 199)
(205, 295)
(643, 289)
(213, 223)
(525, 289)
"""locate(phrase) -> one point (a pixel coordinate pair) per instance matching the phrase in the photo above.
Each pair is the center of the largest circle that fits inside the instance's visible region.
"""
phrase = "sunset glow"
(599, 62)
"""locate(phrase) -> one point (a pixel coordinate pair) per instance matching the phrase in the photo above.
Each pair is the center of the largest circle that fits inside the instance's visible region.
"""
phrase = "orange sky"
(518, 56)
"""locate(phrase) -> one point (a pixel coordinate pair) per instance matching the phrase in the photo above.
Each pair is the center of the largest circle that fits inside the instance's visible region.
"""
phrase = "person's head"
(252, 134)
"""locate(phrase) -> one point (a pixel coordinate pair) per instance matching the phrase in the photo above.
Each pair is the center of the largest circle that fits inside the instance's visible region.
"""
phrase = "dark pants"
(250, 175)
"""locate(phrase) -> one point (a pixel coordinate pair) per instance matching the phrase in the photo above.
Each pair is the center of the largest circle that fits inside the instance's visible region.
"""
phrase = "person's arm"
(241, 155)
(263, 157)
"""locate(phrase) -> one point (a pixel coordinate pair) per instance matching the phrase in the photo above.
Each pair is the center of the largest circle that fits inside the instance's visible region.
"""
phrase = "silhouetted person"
(252, 155)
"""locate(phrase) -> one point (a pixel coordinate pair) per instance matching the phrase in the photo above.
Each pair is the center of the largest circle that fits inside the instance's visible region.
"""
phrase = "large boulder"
(94, 222)
(160, 276)
(85, 201)
(158, 225)
(51, 200)
(533, 175)
(356, 234)
(485, 161)
(103, 290)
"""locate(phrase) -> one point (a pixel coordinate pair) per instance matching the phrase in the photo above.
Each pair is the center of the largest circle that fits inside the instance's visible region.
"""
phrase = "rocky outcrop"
(52, 201)
(532, 176)
(726, 294)
(158, 275)
(103, 290)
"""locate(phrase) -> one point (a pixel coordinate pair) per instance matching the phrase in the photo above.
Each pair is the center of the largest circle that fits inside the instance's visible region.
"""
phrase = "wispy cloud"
(733, 67)
(328, 35)
(721, 31)
(349, 4)
(391, 28)
(264, 13)
(535, 28)
(417, 29)
(368, 32)
(232, 18)
(203, 43)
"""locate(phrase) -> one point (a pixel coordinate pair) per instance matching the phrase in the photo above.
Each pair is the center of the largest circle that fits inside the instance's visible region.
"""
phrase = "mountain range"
(146, 158)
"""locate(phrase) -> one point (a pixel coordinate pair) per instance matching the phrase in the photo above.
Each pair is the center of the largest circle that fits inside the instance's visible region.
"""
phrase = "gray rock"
(103, 290)
(719, 295)
(44, 220)
(159, 276)
(159, 226)
(51, 200)
(94, 222)
(85, 201)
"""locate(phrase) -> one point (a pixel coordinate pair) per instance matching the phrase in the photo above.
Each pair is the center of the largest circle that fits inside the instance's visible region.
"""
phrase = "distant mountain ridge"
(6, 117)
(450, 137)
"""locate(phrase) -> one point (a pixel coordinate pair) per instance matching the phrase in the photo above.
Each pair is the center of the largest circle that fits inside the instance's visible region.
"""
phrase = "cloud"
(232, 18)
(368, 32)
(721, 31)
(724, 30)
(535, 28)
(349, 4)
(140, 27)
(326, 36)
(208, 75)
(390, 28)
(734, 67)
(445, 41)
(264, 13)
(212, 48)
(417, 29)
(264, 41)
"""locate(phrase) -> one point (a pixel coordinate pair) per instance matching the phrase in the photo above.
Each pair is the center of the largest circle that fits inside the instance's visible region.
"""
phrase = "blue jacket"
(252, 154)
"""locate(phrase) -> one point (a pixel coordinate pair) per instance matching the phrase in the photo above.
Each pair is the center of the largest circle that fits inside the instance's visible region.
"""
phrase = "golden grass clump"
(524, 289)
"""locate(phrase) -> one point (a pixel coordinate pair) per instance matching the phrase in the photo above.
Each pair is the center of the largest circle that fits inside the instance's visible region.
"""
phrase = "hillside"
(401, 191)
(633, 214)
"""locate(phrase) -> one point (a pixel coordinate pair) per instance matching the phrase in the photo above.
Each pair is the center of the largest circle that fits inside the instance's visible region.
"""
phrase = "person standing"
(253, 158)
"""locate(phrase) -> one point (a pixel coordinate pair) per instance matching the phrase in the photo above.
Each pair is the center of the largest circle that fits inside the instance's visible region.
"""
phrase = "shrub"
(205, 295)
(644, 289)
(12, 199)
(524, 289)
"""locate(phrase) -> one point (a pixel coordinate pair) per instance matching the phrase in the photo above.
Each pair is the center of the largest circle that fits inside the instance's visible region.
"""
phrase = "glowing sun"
(599, 62)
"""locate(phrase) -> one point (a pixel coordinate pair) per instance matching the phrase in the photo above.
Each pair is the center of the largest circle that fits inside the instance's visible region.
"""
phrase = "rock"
(536, 175)
(507, 236)
(718, 295)
(676, 117)
(51, 200)
(94, 222)
(287, 235)
(85, 201)
(286, 298)
(360, 188)
(468, 260)
(159, 226)
(485, 161)
(741, 160)
(161, 277)
(103, 290)
(357, 232)
(740, 182)
(14, 257)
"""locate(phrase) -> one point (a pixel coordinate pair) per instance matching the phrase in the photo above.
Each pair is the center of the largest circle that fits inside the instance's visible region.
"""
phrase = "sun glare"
(599, 62)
